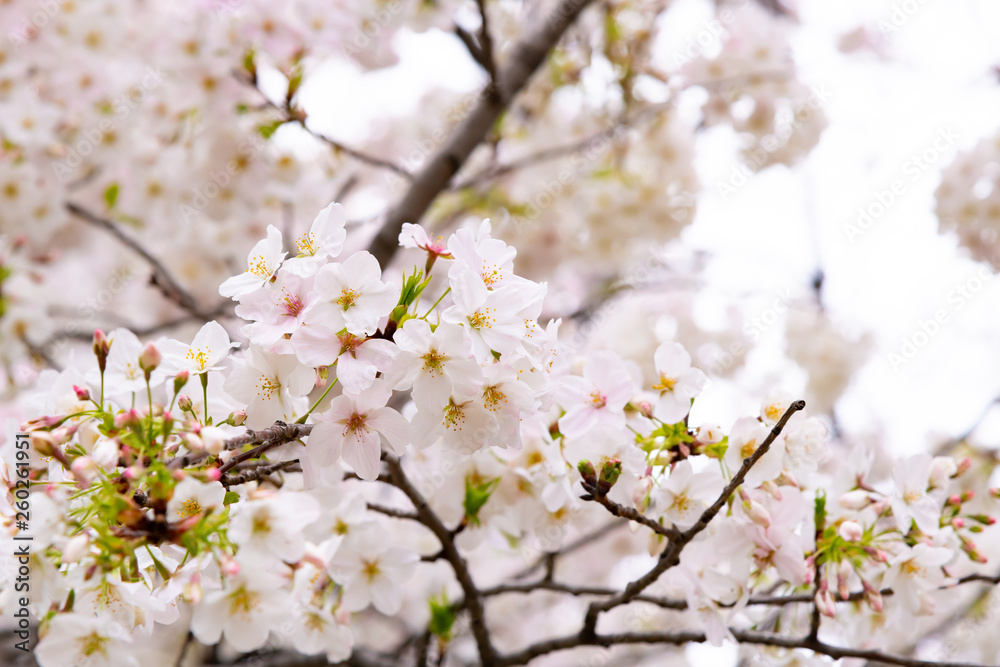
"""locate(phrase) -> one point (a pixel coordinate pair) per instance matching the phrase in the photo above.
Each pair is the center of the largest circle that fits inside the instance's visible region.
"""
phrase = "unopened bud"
(82, 393)
(239, 417)
(43, 442)
(150, 358)
(127, 419)
(877, 554)
(771, 489)
(180, 380)
(185, 403)
(76, 548)
(757, 513)
(854, 500)
(214, 439)
(943, 468)
(645, 409)
(843, 577)
(964, 464)
(610, 472)
(873, 597)
(229, 566)
(995, 492)
(84, 470)
(968, 495)
(101, 348)
(880, 506)
(825, 603)
(984, 519)
(851, 531)
(957, 522)
(587, 472)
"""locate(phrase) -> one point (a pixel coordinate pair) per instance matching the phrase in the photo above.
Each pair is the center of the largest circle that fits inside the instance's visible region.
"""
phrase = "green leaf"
(111, 195)
(230, 498)
(820, 510)
(442, 616)
(717, 450)
(270, 128)
(476, 495)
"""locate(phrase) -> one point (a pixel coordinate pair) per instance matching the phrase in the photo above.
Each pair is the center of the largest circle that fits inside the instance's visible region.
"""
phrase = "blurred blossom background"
(880, 180)
(805, 194)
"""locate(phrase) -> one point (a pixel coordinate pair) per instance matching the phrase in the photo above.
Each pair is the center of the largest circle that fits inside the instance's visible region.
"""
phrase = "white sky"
(771, 235)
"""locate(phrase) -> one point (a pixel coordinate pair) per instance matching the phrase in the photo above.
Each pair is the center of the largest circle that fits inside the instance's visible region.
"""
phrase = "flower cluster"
(371, 427)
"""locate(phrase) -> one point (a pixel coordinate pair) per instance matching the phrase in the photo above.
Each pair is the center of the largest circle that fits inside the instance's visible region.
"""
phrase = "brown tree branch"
(440, 168)
(681, 637)
(671, 555)
(473, 598)
(161, 277)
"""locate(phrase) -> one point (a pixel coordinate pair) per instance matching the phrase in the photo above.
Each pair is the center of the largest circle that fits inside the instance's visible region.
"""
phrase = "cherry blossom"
(262, 263)
(351, 426)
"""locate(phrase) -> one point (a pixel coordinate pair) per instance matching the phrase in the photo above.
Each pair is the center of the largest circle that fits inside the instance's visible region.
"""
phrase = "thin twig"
(161, 277)
(671, 555)
(473, 598)
(525, 58)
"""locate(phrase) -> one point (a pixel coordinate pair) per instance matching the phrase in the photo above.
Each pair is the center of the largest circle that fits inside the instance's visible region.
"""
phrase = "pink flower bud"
(757, 513)
(964, 464)
(239, 417)
(825, 603)
(954, 500)
(851, 531)
(958, 522)
(185, 403)
(43, 442)
(880, 506)
(101, 348)
(150, 358)
(213, 475)
(128, 419)
(995, 492)
(771, 489)
(84, 470)
(82, 393)
(229, 566)
(843, 578)
(645, 409)
(873, 597)
(968, 495)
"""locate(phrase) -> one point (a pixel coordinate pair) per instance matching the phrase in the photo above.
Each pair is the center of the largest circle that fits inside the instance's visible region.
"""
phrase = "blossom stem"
(149, 396)
(440, 299)
(303, 418)
(204, 393)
